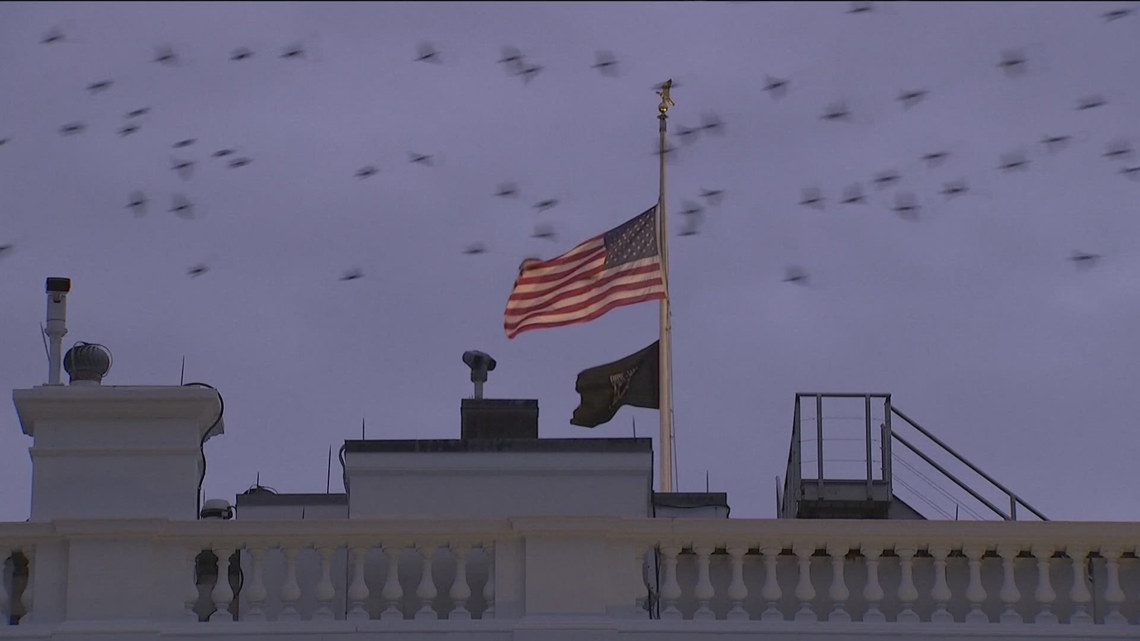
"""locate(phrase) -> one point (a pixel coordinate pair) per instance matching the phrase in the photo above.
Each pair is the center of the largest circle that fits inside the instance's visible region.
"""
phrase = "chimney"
(487, 418)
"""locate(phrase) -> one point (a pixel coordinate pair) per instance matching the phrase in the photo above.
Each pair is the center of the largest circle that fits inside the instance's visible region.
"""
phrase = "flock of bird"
(905, 204)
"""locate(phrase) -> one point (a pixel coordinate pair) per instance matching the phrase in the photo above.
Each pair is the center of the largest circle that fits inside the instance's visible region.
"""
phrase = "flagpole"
(666, 364)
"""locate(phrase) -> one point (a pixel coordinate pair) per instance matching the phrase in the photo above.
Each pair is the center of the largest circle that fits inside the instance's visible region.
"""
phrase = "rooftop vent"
(87, 363)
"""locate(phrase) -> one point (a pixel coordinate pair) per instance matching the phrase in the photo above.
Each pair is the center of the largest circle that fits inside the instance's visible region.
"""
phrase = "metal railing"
(794, 482)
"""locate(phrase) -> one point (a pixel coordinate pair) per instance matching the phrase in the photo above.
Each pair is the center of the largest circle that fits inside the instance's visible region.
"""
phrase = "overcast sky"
(970, 313)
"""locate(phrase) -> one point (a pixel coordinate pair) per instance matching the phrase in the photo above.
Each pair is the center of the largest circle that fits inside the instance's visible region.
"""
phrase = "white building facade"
(498, 536)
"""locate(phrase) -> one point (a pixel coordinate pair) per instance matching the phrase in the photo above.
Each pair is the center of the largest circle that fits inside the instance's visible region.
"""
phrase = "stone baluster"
(1113, 595)
(426, 591)
(26, 599)
(873, 591)
(940, 593)
(737, 591)
(908, 593)
(639, 585)
(703, 591)
(392, 592)
(191, 598)
(670, 589)
(358, 590)
(771, 592)
(222, 593)
(325, 592)
(1079, 594)
(975, 593)
(256, 592)
(805, 593)
(1009, 593)
(838, 591)
(290, 590)
(460, 591)
(489, 586)
(1044, 594)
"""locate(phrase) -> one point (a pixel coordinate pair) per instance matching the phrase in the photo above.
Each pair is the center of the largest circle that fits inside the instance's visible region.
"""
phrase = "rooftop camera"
(480, 363)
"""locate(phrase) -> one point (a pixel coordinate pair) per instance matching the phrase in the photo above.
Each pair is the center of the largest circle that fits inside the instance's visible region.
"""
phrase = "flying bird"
(72, 128)
(165, 55)
(714, 196)
(422, 159)
(906, 206)
(687, 134)
(4, 141)
(952, 189)
(137, 203)
(366, 171)
(544, 205)
(185, 168)
(1054, 143)
(293, 51)
(911, 97)
(530, 73)
(795, 274)
(222, 153)
(885, 178)
(197, 270)
(812, 197)
(712, 122)
(507, 190)
(860, 7)
(605, 62)
(1116, 14)
(184, 143)
(1091, 102)
(690, 208)
(241, 53)
(775, 86)
(476, 248)
(352, 274)
(100, 86)
(182, 207)
(543, 230)
(513, 59)
(935, 158)
(1131, 172)
(691, 227)
(239, 162)
(853, 195)
(141, 111)
(1016, 160)
(1118, 149)
(6, 249)
(836, 111)
(427, 53)
(52, 37)
(127, 130)
(1012, 62)
(1082, 259)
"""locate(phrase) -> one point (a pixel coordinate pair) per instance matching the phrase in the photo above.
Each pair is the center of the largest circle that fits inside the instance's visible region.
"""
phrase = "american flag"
(620, 267)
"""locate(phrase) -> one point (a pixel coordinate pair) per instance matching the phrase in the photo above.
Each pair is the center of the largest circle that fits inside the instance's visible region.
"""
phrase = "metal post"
(819, 442)
(886, 436)
(867, 416)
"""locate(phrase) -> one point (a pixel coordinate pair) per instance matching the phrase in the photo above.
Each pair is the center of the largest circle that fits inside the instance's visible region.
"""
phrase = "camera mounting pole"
(480, 363)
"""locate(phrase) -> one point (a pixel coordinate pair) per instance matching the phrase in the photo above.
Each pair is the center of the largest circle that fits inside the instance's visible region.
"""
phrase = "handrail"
(1013, 497)
(950, 476)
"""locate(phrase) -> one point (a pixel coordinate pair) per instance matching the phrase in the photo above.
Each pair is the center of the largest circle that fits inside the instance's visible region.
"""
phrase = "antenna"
(706, 481)
(362, 428)
(634, 418)
(328, 474)
(182, 376)
(57, 289)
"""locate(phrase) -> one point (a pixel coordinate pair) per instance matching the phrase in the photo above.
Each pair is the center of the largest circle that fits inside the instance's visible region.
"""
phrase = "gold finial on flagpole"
(666, 101)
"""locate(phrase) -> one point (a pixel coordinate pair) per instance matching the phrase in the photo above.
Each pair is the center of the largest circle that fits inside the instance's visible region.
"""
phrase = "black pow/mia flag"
(633, 380)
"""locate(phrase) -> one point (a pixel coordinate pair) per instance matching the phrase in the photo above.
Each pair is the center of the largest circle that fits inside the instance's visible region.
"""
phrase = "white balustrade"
(255, 591)
(940, 592)
(460, 591)
(1044, 593)
(324, 591)
(805, 593)
(426, 591)
(392, 592)
(222, 594)
(908, 593)
(290, 589)
(671, 589)
(838, 591)
(358, 591)
(1113, 595)
(771, 591)
(975, 593)
(489, 586)
(737, 590)
(873, 591)
(1079, 594)
(1009, 593)
(703, 590)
